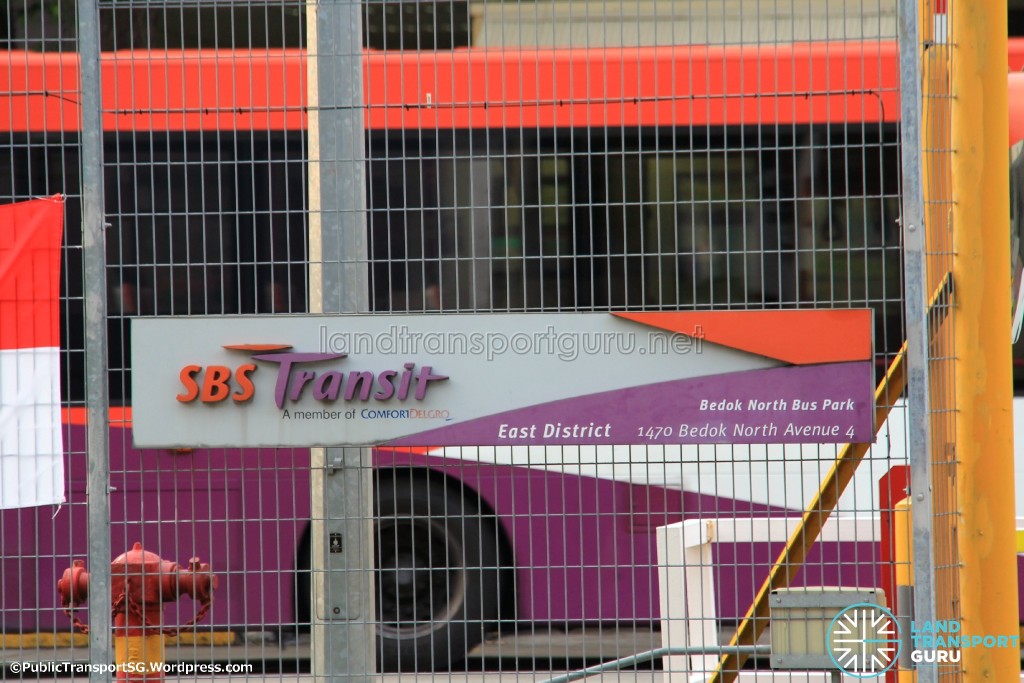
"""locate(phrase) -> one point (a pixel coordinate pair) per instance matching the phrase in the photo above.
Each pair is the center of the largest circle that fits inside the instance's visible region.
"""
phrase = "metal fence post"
(95, 289)
(342, 485)
(916, 297)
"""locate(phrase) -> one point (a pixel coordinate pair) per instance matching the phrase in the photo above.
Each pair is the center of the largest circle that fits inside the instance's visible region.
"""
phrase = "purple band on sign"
(828, 403)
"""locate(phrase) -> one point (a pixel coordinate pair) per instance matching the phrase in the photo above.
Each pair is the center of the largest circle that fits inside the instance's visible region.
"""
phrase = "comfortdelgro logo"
(865, 641)
(300, 375)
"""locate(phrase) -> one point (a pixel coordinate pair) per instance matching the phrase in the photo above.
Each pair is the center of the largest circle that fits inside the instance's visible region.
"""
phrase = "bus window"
(848, 245)
(583, 220)
(403, 230)
(198, 228)
(706, 229)
(1017, 236)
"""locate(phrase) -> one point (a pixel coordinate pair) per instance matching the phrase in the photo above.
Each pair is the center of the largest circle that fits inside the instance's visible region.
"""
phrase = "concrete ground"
(591, 644)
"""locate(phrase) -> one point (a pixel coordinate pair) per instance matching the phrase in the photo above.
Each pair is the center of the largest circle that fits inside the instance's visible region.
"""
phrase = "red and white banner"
(31, 445)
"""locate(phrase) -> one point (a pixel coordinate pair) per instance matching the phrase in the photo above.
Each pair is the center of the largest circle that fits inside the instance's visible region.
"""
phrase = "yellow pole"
(981, 278)
(903, 558)
(936, 159)
(139, 657)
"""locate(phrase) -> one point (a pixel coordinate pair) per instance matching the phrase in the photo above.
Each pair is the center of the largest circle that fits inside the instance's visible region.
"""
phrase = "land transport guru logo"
(301, 376)
(865, 641)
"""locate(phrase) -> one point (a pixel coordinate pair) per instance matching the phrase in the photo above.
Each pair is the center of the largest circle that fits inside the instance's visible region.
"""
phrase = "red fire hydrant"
(140, 583)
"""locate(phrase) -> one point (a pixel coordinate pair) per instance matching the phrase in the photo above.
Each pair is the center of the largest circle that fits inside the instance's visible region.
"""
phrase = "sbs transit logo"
(863, 640)
(300, 376)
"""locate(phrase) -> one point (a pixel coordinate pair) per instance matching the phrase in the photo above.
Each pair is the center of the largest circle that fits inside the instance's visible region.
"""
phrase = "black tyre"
(438, 575)
(440, 585)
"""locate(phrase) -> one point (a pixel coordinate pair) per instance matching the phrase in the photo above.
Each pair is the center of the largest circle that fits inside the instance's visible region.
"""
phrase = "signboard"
(794, 376)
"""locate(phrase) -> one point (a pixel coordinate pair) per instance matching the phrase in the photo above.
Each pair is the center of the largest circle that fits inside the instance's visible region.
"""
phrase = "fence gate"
(721, 273)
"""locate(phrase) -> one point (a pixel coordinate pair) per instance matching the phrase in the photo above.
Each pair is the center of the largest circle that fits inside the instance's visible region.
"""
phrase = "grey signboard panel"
(519, 379)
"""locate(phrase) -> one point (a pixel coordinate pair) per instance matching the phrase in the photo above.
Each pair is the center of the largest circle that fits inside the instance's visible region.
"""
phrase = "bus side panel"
(38, 545)
(240, 510)
(584, 548)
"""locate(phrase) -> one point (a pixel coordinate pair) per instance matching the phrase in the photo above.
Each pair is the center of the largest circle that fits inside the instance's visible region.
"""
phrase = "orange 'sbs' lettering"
(246, 388)
(188, 381)
(215, 384)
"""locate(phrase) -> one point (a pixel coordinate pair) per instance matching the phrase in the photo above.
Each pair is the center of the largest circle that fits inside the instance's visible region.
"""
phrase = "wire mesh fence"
(426, 160)
(937, 185)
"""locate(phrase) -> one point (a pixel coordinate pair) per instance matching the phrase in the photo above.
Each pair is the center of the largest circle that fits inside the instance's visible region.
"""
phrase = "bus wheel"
(437, 574)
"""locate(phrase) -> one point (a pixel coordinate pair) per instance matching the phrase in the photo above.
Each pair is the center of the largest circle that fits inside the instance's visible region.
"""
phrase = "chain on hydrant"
(140, 583)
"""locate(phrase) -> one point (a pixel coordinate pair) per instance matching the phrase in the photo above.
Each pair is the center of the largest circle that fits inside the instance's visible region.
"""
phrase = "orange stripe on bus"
(474, 88)
(119, 416)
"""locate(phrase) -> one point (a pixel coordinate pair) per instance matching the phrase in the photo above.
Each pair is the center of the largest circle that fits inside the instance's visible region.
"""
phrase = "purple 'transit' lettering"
(286, 361)
(328, 386)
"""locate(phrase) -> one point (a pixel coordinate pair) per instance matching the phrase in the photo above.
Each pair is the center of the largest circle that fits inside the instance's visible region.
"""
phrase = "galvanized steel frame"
(344, 633)
(94, 273)
(916, 297)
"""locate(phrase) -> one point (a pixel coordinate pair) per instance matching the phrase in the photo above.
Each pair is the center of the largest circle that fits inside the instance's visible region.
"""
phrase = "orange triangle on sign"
(796, 336)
